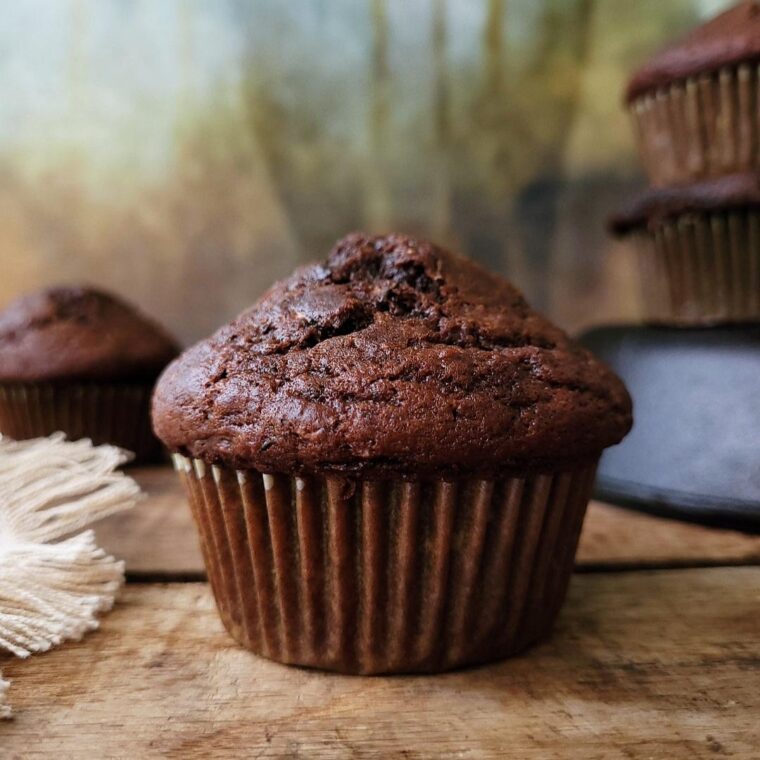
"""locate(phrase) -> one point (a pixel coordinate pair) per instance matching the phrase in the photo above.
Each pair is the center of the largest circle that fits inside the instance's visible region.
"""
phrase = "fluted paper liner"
(701, 127)
(105, 413)
(701, 268)
(364, 576)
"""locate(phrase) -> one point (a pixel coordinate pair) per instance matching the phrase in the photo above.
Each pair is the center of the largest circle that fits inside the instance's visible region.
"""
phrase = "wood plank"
(614, 537)
(642, 665)
(158, 538)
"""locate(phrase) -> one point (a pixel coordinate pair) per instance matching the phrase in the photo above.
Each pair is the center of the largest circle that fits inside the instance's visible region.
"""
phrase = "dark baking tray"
(694, 451)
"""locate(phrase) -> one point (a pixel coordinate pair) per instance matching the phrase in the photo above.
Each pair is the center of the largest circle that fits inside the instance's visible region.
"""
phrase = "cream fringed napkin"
(53, 579)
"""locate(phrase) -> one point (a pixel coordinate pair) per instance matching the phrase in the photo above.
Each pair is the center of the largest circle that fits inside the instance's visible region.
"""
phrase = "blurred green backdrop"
(188, 152)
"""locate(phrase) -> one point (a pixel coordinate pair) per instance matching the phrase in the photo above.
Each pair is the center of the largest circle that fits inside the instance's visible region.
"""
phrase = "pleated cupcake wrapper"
(702, 268)
(105, 413)
(702, 127)
(365, 576)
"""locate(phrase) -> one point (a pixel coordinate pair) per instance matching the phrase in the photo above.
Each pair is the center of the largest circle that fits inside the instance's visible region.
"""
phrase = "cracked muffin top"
(392, 357)
(79, 333)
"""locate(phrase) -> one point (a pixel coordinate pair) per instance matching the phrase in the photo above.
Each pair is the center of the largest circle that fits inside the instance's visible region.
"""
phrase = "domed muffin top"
(394, 356)
(731, 38)
(78, 333)
(655, 205)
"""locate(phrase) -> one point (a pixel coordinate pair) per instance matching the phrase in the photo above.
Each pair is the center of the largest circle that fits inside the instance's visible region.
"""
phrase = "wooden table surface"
(656, 654)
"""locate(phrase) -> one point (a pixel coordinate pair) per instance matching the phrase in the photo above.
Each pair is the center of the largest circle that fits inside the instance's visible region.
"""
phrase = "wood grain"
(158, 538)
(642, 665)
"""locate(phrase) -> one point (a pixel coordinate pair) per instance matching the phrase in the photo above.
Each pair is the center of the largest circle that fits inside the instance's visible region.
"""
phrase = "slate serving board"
(694, 451)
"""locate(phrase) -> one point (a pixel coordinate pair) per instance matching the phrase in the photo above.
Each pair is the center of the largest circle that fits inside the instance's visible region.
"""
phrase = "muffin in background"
(389, 458)
(695, 103)
(84, 362)
(698, 248)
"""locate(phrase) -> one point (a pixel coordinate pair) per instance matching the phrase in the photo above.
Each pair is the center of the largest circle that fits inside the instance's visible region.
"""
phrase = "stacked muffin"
(695, 107)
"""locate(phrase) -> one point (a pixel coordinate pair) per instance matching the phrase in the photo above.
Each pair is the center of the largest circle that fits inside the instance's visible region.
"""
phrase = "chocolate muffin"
(389, 458)
(82, 361)
(698, 247)
(694, 104)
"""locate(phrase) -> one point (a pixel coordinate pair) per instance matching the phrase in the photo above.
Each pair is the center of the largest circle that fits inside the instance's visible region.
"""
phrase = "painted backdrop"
(188, 152)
